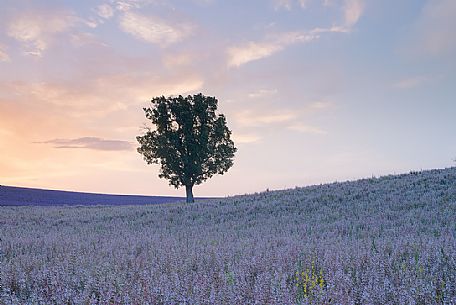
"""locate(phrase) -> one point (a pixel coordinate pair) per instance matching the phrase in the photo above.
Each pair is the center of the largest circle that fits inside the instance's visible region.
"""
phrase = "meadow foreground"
(389, 240)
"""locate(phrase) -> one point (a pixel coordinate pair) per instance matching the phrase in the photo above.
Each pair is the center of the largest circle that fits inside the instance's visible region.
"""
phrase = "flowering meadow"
(388, 240)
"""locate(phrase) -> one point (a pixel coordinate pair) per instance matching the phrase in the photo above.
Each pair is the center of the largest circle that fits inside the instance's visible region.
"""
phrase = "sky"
(314, 91)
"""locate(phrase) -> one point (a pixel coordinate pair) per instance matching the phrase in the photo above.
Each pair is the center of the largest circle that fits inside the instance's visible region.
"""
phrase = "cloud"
(318, 105)
(282, 4)
(240, 55)
(35, 31)
(286, 120)
(288, 4)
(92, 22)
(3, 55)
(251, 119)
(353, 9)
(174, 60)
(153, 29)
(85, 38)
(245, 138)
(91, 143)
(434, 30)
(95, 94)
(412, 82)
(333, 29)
(303, 3)
(127, 5)
(71, 99)
(299, 127)
(140, 88)
(252, 51)
(99, 97)
(273, 118)
(262, 93)
(105, 11)
(255, 50)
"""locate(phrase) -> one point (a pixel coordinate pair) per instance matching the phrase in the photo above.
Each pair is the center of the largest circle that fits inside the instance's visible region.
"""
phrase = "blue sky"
(314, 90)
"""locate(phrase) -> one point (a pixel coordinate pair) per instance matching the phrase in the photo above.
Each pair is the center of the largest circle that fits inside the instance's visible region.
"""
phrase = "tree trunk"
(189, 191)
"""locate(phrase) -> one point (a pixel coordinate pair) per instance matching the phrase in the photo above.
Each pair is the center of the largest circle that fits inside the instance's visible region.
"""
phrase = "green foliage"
(190, 141)
(439, 291)
(230, 279)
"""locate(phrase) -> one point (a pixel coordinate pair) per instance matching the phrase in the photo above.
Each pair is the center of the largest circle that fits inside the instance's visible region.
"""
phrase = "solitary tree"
(190, 141)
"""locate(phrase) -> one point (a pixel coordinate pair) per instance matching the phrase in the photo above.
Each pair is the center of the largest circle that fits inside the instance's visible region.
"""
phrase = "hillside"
(388, 240)
(20, 196)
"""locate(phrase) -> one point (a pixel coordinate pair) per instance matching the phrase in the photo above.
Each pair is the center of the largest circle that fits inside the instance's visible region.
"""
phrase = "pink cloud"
(35, 30)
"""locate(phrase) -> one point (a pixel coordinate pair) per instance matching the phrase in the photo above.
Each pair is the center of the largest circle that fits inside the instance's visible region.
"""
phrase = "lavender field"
(389, 240)
(20, 196)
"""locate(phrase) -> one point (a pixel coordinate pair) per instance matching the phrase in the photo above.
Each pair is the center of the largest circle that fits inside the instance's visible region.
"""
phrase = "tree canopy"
(189, 140)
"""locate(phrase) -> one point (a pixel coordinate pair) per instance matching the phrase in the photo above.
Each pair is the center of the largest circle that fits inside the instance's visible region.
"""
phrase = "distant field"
(19, 196)
(389, 240)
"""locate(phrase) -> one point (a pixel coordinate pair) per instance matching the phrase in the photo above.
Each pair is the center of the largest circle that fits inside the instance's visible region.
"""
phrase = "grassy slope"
(390, 240)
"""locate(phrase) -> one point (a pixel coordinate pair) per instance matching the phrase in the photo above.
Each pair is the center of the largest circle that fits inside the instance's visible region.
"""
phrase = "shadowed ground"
(18, 196)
